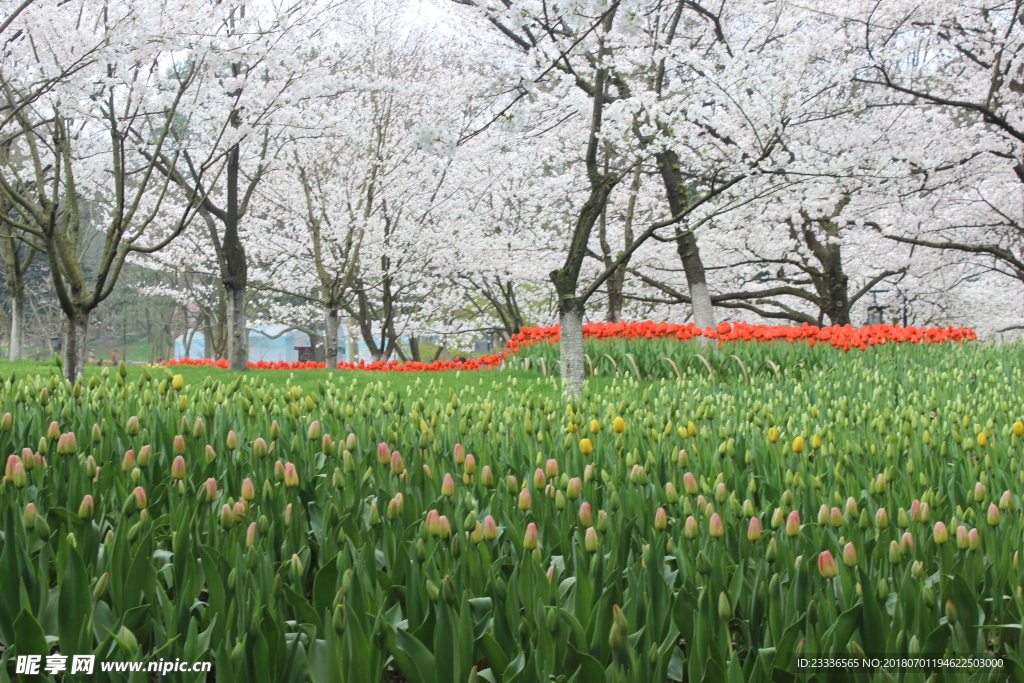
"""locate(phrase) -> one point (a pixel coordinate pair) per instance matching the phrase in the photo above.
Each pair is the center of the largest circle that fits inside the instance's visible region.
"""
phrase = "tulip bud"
(179, 445)
(178, 468)
(690, 530)
(85, 509)
(993, 515)
(703, 564)
(530, 538)
(448, 590)
(585, 515)
(602, 521)
(227, 518)
(525, 499)
(590, 540)
(6, 423)
(433, 523)
(231, 441)
(950, 612)
(793, 523)
(100, 589)
(715, 527)
(661, 519)
(973, 539)
(291, 477)
(907, 543)
(447, 485)
(487, 476)
(827, 565)
(574, 488)
(586, 446)
(296, 567)
(724, 608)
(210, 489)
(614, 635)
(771, 554)
(894, 552)
(754, 530)
(939, 533)
(689, 484)
(140, 497)
(259, 447)
(128, 462)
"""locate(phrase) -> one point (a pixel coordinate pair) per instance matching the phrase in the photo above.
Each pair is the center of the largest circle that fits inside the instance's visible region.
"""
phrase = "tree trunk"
(414, 348)
(331, 325)
(316, 344)
(238, 337)
(615, 298)
(686, 242)
(75, 343)
(700, 296)
(570, 346)
(17, 336)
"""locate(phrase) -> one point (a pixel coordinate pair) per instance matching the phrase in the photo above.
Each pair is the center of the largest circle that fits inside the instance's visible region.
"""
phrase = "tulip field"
(705, 524)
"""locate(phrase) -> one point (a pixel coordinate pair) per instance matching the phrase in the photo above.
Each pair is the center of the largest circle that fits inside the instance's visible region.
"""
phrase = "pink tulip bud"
(383, 453)
(979, 492)
(490, 528)
(140, 498)
(940, 533)
(882, 519)
(589, 472)
(132, 426)
(179, 444)
(393, 510)
(250, 535)
(973, 539)
(445, 525)
(248, 489)
(178, 467)
(525, 500)
(469, 466)
(551, 467)
(851, 508)
(259, 447)
(487, 476)
(427, 473)
(793, 523)
(530, 538)
(915, 511)
(291, 477)
(690, 530)
(827, 565)
(28, 458)
(53, 433)
(778, 518)
(447, 485)
(993, 514)
(1005, 501)
(754, 530)
(907, 543)
(539, 479)
(962, 541)
(850, 555)
(715, 527)
(279, 470)
(574, 488)
(671, 495)
(288, 514)
(397, 466)
(586, 515)
(85, 510)
(459, 454)
(689, 484)
(9, 468)
(661, 519)
(314, 432)
(128, 462)
(30, 515)
(590, 540)
(210, 488)
(434, 523)
(702, 504)
(19, 477)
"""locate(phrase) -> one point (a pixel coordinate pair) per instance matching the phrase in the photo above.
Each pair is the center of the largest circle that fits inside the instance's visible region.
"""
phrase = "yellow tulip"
(586, 446)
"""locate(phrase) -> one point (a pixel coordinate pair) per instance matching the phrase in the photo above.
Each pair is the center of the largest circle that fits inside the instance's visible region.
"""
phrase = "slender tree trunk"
(17, 336)
(700, 296)
(331, 324)
(686, 244)
(238, 337)
(615, 298)
(570, 346)
(414, 348)
(316, 347)
(75, 345)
